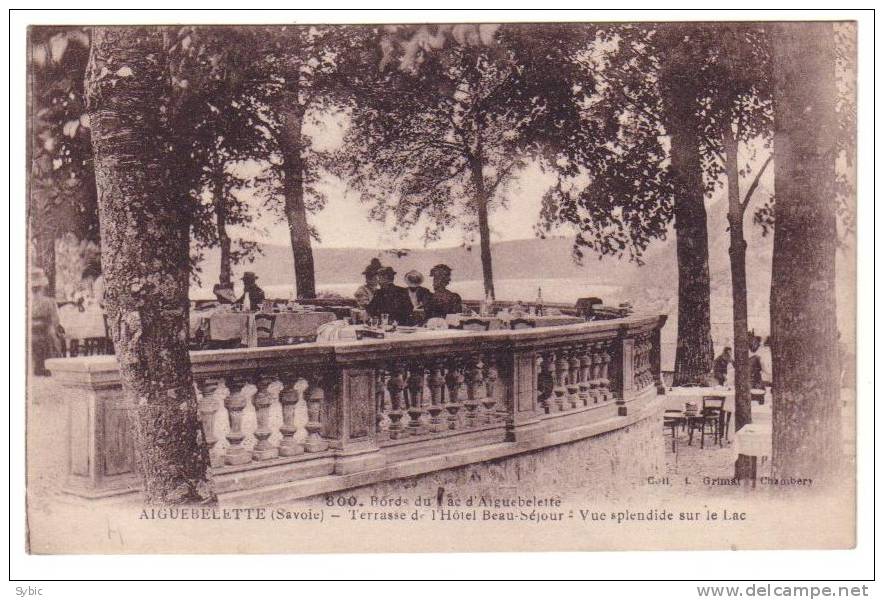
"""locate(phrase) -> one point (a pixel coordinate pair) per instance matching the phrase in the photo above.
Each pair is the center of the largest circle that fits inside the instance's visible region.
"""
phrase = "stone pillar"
(436, 383)
(415, 398)
(453, 382)
(524, 403)
(353, 424)
(292, 391)
(240, 392)
(396, 385)
(213, 393)
(489, 402)
(627, 378)
(585, 373)
(561, 374)
(263, 400)
(573, 377)
(315, 400)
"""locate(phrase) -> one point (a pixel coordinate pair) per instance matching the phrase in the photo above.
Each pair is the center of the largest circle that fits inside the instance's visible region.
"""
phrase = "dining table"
(215, 325)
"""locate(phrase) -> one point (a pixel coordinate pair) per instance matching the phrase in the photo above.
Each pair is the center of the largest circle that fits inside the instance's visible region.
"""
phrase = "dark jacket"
(443, 303)
(392, 300)
(256, 297)
(423, 296)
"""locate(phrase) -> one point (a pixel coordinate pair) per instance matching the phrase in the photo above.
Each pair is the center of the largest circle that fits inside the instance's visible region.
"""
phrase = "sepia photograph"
(463, 286)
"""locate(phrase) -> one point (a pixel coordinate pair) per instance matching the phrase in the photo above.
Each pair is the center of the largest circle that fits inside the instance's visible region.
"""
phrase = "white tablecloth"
(81, 325)
(754, 439)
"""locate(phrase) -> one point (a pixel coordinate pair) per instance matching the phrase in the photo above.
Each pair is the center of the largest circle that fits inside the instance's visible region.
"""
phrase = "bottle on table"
(539, 303)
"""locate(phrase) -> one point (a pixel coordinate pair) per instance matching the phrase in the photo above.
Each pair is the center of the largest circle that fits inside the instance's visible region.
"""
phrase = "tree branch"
(754, 185)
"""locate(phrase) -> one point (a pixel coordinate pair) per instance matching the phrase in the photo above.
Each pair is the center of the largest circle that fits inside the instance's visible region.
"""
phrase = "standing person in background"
(443, 302)
(720, 365)
(418, 294)
(251, 290)
(756, 377)
(766, 361)
(365, 292)
(45, 329)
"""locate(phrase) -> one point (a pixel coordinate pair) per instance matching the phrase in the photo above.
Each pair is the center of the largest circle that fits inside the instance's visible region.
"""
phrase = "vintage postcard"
(299, 288)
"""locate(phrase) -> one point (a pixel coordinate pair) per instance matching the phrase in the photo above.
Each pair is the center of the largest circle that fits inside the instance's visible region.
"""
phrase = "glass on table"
(385, 319)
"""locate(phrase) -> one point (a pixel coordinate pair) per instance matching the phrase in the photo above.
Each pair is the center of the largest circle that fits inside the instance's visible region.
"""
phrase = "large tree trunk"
(220, 203)
(806, 405)
(694, 352)
(481, 200)
(295, 210)
(737, 251)
(144, 243)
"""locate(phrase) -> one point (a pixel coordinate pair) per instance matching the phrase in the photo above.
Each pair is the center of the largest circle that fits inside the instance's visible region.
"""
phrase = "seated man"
(251, 289)
(443, 302)
(418, 294)
(390, 299)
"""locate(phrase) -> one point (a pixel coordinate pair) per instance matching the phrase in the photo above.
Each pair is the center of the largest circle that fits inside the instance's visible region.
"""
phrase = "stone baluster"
(263, 400)
(396, 385)
(292, 391)
(545, 381)
(561, 374)
(573, 377)
(595, 368)
(489, 402)
(453, 381)
(240, 391)
(436, 383)
(213, 394)
(415, 399)
(315, 399)
(381, 418)
(475, 390)
(585, 355)
(604, 364)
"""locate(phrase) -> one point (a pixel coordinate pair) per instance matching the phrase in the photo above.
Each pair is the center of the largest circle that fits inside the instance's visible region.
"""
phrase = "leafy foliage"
(62, 197)
(451, 115)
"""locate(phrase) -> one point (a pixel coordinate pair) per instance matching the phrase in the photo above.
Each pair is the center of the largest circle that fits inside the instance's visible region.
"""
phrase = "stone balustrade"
(291, 421)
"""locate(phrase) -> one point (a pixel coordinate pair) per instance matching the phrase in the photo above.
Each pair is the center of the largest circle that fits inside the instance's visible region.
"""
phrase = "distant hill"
(518, 259)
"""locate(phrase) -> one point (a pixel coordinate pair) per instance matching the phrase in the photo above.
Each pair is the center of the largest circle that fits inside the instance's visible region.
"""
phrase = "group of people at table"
(410, 305)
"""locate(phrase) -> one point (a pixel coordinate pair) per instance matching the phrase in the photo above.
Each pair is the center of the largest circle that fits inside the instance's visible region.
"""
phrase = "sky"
(345, 222)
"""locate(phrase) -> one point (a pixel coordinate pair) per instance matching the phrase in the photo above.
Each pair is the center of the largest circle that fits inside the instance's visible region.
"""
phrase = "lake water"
(566, 290)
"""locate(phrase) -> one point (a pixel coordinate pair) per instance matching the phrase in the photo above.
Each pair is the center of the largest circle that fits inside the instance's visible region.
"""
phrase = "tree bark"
(295, 210)
(806, 404)
(484, 228)
(737, 252)
(144, 244)
(694, 352)
(220, 203)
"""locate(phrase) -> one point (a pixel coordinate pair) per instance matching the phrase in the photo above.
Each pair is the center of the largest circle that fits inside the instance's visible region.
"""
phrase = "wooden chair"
(475, 324)
(522, 324)
(672, 419)
(712, 413)
(264, 327)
